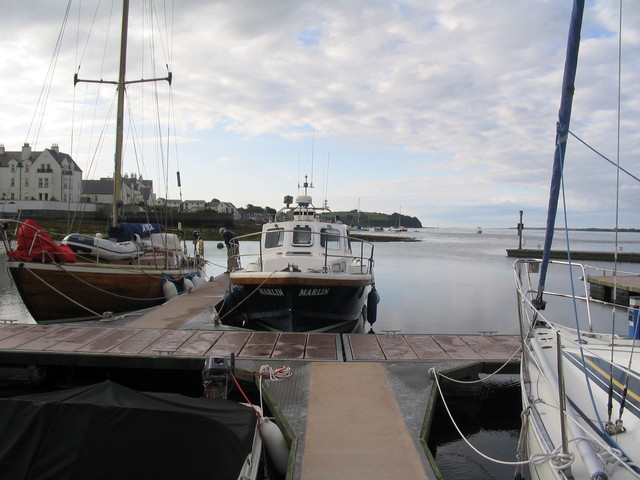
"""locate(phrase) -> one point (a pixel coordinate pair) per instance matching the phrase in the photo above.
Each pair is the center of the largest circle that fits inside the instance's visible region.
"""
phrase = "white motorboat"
(309, 276)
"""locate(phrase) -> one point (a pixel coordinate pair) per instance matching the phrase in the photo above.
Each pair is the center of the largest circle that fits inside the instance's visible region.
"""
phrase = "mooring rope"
(467, 382)
(435, 375)
(244, 299)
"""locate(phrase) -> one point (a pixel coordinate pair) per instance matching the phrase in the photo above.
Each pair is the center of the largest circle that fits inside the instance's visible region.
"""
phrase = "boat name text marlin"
(313, 292)
(274, 292)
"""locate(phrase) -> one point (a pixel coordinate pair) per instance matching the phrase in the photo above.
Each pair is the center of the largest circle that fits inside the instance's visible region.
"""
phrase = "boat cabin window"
(331, 238)
(274, 238)
(302, 236)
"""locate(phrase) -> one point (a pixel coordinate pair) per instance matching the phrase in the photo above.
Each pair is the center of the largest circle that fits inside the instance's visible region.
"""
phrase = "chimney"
(55, 148)
(26, 152)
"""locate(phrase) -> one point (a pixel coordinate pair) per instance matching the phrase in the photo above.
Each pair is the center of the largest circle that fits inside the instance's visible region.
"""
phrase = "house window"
(12, 197)
(46, 183)
(26, 168)
(13, 168)
(40, 183)
(13, 182)
(26, 182)
(302, 236)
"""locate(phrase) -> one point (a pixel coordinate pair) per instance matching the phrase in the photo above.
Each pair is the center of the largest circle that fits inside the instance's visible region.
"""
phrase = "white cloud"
(447, 108)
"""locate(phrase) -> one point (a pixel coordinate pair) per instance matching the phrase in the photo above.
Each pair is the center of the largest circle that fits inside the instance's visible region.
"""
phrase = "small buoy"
(169, 289)
(276, 445)
(187, 285)
(220, 245)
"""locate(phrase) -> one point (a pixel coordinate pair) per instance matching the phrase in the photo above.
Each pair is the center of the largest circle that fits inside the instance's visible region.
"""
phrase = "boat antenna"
(313, 144)
(325, 204)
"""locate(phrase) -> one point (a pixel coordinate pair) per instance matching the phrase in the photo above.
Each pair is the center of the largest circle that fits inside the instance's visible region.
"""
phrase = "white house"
(226, 208)
(194, 205)
(42, 176)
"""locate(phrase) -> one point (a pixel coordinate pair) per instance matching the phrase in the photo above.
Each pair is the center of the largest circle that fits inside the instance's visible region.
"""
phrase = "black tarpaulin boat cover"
(107, 431)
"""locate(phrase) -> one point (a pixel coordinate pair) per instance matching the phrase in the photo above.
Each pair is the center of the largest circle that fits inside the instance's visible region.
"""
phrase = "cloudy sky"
(443, 109)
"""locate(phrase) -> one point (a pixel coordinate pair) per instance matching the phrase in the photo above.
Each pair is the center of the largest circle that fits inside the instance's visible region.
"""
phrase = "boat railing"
(360, 251)
(572, 283)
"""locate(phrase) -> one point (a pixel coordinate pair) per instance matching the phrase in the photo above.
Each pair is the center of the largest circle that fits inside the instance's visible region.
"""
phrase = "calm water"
(451, 281)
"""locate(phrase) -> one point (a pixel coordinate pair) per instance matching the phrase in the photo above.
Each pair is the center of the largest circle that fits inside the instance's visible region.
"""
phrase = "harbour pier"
(355, 406)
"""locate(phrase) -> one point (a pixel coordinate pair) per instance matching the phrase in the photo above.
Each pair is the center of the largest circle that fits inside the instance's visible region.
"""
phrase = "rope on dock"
(433, 372)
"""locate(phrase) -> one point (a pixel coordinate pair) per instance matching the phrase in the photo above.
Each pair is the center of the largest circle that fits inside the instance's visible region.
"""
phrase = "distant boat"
(139, 266)
(310, 276)
(580, 387)
(398, 228)
(478, 229)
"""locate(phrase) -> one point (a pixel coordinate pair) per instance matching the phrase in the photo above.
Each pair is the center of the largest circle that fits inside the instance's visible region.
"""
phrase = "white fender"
(276, 444)
(169, 290)
(198, 280)
(187, 285)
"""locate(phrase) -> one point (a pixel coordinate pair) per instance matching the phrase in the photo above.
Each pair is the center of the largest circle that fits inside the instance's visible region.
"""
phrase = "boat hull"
(540, 393)
(55, 293)
(298, 303)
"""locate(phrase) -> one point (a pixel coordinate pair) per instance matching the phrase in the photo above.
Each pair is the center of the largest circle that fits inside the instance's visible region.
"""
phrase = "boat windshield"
(274, 238)
(302, 236)
(330, 237)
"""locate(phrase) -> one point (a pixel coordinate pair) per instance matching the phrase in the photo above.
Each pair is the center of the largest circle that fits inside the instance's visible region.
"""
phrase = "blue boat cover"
(124, 232)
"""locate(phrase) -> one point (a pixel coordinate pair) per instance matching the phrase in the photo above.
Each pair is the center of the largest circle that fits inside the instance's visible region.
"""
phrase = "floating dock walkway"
(355, 404)
(625, 257)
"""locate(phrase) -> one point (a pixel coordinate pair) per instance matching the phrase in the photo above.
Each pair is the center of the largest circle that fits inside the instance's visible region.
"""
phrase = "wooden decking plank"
(483, 346)
(507, 343)
(11, 330)
(290, 345)
(168, 343)
(456, 348)
(55, 336)
(365, 347)
(396, 347)
(230, 342)
(260, 344)
(140, 340)
(427, 348)
(79, 340)
(109, 341)
(321, 346)
(25, 336)
(198, 344)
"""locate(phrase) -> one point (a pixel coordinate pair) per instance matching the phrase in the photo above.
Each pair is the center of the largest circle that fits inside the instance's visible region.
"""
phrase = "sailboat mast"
(117, 175)
(562, 133)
